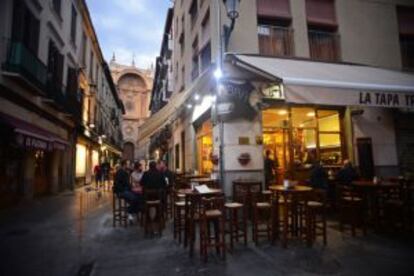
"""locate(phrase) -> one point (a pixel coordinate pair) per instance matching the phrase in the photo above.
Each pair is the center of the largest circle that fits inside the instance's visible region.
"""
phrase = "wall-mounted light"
(310, 114)
(196, 97)
(282, 112)
(218, 74)
(189, 106)
(92, 125)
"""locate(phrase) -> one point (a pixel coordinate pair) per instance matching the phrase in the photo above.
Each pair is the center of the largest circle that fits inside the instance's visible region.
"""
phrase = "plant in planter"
(244, 158)
(214, 159)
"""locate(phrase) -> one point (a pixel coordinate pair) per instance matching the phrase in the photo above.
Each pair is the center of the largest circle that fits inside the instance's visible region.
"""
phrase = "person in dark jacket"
(123, 190)
(270, 167)
(168, 175)
(319, 177)
(153, 178)
(346, 174)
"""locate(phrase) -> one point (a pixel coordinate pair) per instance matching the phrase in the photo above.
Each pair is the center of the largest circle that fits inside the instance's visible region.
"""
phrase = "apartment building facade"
(288, 66)
(48, 97)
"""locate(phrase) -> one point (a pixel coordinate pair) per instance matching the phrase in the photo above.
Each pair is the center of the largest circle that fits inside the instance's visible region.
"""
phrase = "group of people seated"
(131, 185)
(319, 175)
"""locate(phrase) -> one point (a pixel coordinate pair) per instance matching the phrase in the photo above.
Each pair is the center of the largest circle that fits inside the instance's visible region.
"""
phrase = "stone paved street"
(72, 234)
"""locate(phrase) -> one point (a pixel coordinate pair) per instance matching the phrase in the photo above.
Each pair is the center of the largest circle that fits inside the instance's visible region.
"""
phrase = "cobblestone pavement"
(72, 234)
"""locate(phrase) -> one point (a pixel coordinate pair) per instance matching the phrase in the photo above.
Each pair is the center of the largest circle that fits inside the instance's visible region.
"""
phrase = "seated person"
(319, 177)
(153, 178)
(346, 174)
(136, 177)
(123, 190)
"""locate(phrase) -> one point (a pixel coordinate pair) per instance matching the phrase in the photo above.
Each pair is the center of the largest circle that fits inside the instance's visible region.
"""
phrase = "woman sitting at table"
(346, 174)
(136, 177)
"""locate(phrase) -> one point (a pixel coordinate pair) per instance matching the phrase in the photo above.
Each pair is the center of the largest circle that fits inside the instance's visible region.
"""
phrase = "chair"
(237, 227)
(179, 215)
(153, 200)
(212, 213)
(351, 209)
(119, 211)
(262, 217)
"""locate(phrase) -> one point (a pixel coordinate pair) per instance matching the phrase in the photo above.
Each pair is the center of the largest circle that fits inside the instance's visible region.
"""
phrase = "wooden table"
(287, 194)
(370, 192)
(193, 199)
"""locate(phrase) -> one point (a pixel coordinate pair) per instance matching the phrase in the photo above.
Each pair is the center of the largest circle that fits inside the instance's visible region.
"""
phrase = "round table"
(287, 193)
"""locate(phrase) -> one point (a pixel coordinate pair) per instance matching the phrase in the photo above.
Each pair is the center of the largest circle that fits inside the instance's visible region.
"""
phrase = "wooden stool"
(262, 216)
(179, 216)
(315, 212)
(351, 209)
(153, 200)
(119, 211)
(237, 228)
(212, 212)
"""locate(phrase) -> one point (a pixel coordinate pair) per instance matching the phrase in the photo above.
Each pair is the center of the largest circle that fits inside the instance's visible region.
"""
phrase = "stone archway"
(128, 151)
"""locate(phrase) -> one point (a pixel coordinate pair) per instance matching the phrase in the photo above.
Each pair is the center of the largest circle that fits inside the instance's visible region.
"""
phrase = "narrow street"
(72, 234)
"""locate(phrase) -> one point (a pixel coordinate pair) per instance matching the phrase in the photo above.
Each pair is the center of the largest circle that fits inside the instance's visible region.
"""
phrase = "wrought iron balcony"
(275, 40)
(324, 46)
(21, 61)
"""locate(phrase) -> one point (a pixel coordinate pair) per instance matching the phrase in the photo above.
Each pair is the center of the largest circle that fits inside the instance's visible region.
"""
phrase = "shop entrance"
(205, 147)
(297, 137)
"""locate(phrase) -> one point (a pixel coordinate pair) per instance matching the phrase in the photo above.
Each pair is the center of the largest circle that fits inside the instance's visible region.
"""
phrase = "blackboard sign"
(233, 100)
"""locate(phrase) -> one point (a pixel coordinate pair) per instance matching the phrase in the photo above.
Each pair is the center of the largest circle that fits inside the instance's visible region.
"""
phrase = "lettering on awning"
(386, 99)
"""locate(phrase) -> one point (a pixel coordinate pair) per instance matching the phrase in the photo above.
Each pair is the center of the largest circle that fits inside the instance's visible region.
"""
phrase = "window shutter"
(18, 20)
(321, 12)
(273, 8)
(406, 20)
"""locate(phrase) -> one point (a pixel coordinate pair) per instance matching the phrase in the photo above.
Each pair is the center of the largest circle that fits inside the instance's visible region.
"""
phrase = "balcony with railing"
(21, 61)
(275, 40)
(324, 46)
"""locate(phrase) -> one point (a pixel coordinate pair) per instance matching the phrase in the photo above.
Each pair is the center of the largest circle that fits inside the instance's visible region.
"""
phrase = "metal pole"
(220, 66)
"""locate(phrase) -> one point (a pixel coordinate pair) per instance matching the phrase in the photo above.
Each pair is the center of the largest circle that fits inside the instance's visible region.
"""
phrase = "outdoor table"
(193, 199)
(211, 183)
(293, 193)
(370, 192)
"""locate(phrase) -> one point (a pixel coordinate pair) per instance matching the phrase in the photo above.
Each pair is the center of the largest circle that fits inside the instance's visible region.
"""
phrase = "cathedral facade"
(134, 86)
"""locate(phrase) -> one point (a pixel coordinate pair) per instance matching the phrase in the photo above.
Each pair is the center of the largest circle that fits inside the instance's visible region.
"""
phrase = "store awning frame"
(307, 81)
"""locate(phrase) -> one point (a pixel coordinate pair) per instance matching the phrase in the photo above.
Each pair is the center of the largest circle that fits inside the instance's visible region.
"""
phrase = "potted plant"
(244, 158)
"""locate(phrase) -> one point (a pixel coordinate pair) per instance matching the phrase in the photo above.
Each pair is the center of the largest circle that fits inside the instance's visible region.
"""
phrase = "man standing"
(270, 167)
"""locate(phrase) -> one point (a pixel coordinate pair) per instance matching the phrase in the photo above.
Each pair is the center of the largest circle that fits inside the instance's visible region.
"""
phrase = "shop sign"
(32, 142)
(273, 92)
(233, 100)
(386, 99)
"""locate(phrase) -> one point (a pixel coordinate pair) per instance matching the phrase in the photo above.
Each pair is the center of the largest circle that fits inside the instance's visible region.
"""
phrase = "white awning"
(167, 114)
(316, 82)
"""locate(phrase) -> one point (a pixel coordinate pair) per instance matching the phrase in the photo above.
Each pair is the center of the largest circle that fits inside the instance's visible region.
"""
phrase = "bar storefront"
(304, 112)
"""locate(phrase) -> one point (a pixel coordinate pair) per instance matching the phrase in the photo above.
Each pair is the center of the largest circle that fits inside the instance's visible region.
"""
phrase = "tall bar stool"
(315, 212)
(153, 199)
(351, 209)
(212, 213)
(179, 216)
(119, 211)
(262, 217)
(237, 227)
